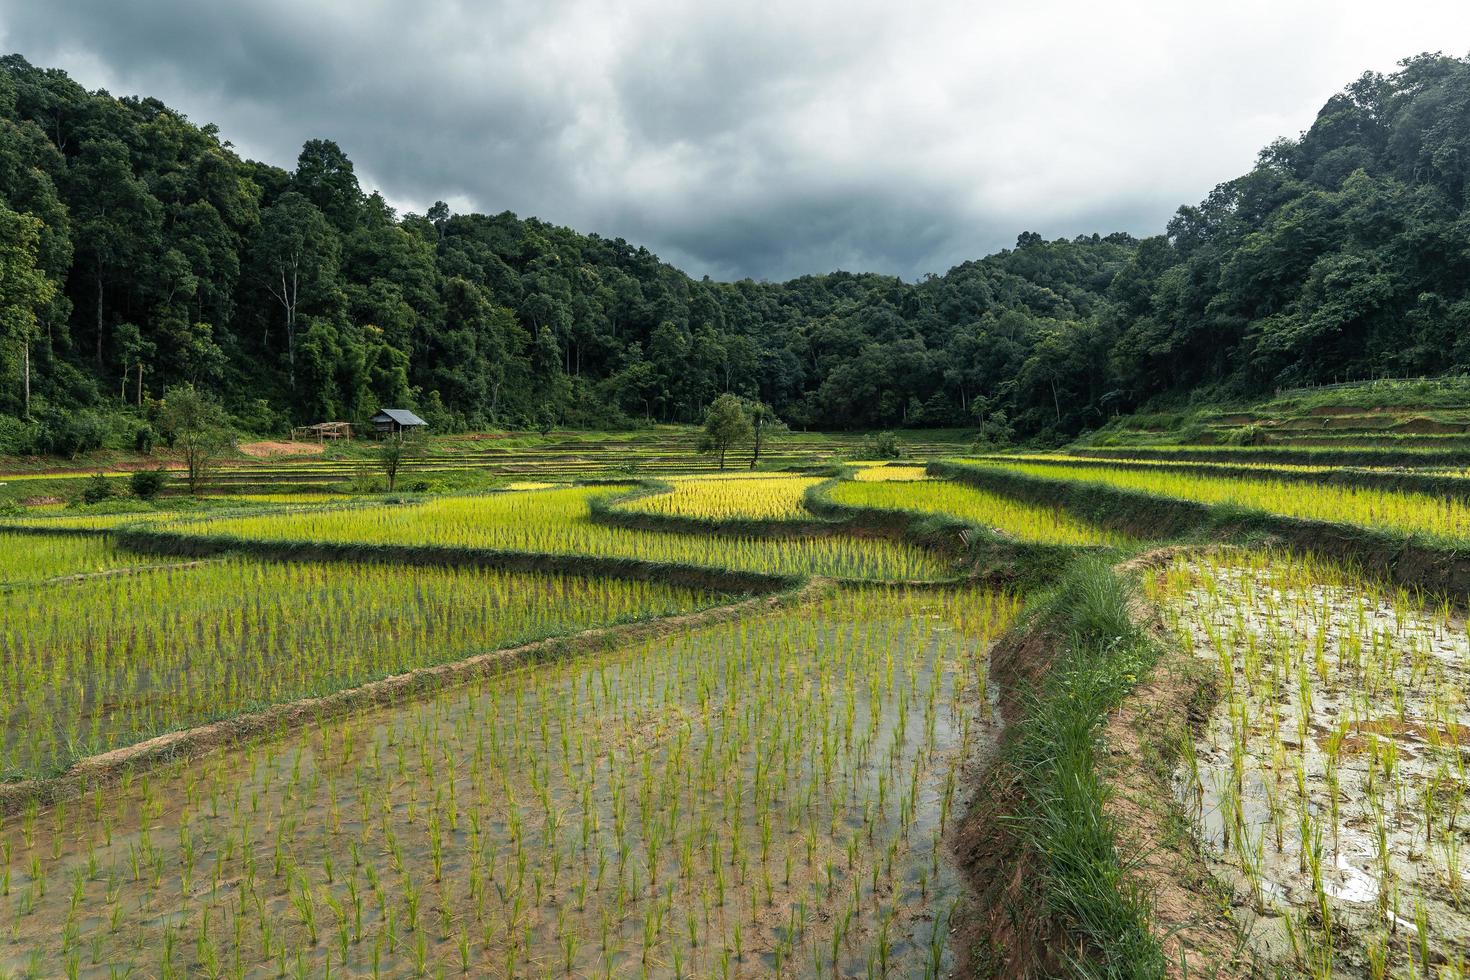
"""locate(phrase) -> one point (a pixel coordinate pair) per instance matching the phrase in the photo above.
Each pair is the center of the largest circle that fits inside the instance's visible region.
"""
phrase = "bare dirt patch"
(267, 449)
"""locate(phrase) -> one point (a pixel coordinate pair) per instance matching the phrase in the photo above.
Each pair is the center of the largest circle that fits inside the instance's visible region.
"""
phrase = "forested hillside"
(138, 252)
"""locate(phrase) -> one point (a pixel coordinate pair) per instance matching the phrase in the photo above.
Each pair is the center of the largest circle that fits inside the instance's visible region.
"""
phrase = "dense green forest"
(138, 252)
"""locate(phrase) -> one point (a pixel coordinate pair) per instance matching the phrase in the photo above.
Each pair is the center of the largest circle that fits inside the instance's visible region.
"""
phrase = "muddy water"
(1330, 777)
(752, 799)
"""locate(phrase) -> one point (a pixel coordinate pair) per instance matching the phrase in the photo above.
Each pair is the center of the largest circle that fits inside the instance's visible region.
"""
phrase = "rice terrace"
(458, 594)
(934, 715)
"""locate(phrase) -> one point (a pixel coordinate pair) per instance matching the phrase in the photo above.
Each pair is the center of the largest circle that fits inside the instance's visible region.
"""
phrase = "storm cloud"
(754, 139)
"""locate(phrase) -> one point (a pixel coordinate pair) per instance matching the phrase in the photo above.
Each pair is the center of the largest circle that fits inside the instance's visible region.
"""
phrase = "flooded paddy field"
(768, 796)
(96, 660)
(1328, 785)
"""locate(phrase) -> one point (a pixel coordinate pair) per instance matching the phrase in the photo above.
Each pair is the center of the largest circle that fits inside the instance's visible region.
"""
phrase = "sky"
(756, 139)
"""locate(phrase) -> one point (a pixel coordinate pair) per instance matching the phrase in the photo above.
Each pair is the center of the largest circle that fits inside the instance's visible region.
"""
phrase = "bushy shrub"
(147, 484)
(366, 483)
(1246, 435)
(995, 432)
(882, 445)
(97, 489)
(71, 433)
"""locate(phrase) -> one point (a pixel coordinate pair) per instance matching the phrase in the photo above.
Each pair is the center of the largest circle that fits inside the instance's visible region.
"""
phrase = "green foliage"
(196, 426)
(1084, 879)
(147, 484)
(882, 445)
(394, 453)
(765, 426)
(725, 424)
(97, 489)
(996, 432)
(1246, 435)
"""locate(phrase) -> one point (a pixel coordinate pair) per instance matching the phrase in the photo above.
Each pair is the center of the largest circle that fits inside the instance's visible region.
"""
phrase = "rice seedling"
(26, 558)
(738, 496)
(68, 520)
(889, 474)
(1331, 775)
(1435, 517)
(556, 522)
(1008, 517)
(100, 662)
(743, 756)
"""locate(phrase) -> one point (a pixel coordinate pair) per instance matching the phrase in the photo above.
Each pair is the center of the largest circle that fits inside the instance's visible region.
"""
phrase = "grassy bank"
(1094, 918)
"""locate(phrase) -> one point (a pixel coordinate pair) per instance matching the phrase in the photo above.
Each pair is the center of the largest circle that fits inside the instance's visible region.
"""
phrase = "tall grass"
(1064, 820)
(26, 558)
(736, 496)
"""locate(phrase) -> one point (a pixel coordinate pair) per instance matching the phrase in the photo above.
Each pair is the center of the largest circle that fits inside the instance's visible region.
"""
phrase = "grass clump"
(1063, 818)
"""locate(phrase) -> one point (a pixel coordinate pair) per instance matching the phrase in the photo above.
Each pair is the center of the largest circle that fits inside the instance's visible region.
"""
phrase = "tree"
(132, 351)
(24, 289)
(325, 177)
(196, 426)
(725, 424)
(295, 261)
(764, 424)
(117, 221)
(394, 453)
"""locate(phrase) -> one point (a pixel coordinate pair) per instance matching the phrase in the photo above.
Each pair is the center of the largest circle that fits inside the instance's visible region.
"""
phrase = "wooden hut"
(397, 421)
(322, 431)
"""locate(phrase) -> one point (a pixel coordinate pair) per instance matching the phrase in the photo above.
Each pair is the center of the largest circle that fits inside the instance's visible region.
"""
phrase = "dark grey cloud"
(753, 138)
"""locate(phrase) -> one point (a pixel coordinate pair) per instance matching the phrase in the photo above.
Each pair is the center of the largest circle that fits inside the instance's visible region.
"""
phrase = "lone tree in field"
(196, 426)
(764, 424)
(725, 424)
(394, 454)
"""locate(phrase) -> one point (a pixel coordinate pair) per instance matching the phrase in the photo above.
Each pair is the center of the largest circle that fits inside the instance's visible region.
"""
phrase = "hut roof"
(400, 415)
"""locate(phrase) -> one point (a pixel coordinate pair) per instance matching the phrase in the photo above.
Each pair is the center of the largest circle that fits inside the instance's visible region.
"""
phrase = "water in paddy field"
(1330, 780)
(754, 798)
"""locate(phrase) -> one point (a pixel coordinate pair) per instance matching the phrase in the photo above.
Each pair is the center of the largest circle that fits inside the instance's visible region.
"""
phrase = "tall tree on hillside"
(133, 350)
(24, 289)
(295, 257)
(324, 176)
(117, 222)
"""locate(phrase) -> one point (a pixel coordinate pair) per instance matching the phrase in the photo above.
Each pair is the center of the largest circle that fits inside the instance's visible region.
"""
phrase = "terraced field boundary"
(182, 544)
(1057, 889)
(1421, 457)
(1396, 558)
(978, 551)
(42, 531)
(391, 691)
(1397, 481)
